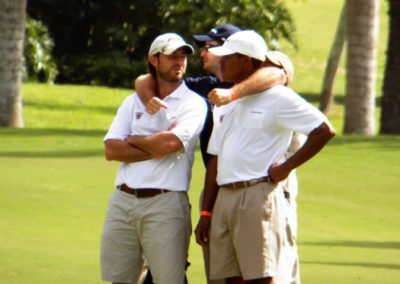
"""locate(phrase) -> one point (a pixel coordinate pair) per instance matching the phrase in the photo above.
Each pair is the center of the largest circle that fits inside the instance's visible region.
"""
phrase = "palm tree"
(12, 30)
(362, 33)
(390, 118)
(327, 96)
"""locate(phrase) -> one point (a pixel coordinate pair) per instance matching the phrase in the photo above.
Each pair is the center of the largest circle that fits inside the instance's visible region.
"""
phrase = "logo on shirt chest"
(221, 118)
(138, 115)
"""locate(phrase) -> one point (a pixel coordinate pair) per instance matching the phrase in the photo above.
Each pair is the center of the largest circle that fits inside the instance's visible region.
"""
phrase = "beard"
(171, 75)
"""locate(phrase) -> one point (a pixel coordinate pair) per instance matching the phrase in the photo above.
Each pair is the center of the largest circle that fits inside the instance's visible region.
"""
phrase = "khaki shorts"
(246, 232)
(156, 228)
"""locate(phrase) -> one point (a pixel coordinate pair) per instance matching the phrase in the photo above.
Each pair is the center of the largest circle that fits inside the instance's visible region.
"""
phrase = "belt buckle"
(252, 182)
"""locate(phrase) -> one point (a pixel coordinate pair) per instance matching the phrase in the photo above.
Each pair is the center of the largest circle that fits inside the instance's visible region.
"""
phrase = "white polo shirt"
(187, 110)
(257, 130)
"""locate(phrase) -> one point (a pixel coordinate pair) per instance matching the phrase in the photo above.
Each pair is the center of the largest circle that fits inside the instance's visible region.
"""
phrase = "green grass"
(55, 182)
(349, 217)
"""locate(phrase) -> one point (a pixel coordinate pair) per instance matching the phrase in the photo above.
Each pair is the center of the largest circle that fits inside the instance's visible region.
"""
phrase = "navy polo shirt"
(202, 86)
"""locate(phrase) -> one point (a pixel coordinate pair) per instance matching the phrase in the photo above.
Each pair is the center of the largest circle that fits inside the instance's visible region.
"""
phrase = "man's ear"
(246, 61)
(153, 60)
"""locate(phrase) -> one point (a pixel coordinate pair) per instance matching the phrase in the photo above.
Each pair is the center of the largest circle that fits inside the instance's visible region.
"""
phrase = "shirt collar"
(178, 92)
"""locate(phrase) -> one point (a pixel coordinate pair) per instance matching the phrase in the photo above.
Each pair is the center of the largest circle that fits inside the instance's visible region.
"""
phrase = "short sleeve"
(121, 126)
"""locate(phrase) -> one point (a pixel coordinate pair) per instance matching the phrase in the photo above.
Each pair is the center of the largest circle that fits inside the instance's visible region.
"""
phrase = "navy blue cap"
(219, 33)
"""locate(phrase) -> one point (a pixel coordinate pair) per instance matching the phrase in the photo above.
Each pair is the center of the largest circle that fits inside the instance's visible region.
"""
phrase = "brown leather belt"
(142, 192)
(247, 183)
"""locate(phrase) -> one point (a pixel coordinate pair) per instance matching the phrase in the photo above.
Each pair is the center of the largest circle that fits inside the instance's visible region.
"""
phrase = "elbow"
(108, 154)
(329, 131)
(108, 157)
(332, 133)
(171, 147)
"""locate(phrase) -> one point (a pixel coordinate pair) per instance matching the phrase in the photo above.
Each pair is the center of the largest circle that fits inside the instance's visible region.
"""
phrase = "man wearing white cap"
(149, 212)
(248, 143)
(289, 269)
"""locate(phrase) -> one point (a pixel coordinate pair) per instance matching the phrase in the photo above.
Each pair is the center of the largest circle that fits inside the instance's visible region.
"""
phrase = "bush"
(39, 63)
(111, 69)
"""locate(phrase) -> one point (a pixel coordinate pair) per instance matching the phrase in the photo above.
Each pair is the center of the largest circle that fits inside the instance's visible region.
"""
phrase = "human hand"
(202, 230)
(154, 105)
(278, 172)
(221, 96)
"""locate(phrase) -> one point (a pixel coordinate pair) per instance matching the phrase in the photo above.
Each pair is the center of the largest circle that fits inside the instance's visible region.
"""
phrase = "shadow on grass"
(71, 107)
(359, 264)
(13, 134)
(339, 99)
(53, 154)
(354, 244)
(379, 141)
(32, 132)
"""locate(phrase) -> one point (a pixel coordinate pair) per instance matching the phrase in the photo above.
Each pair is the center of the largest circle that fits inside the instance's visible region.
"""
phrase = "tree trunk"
(390, 118)
(362, 37)
(326, 99)
(12, 31)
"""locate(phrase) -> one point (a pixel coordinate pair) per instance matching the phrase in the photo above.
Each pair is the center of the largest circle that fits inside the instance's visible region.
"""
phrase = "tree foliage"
(118, 33)
(38, 46)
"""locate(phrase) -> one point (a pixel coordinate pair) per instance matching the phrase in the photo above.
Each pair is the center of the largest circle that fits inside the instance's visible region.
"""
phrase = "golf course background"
(55, 182)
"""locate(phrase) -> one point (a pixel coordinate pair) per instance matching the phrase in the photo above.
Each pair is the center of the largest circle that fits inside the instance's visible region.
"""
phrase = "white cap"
(168, 43)
(246, 42)
(282, 60)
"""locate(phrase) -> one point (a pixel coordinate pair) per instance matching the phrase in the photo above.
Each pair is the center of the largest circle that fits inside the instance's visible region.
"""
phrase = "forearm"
(122, 151)
(263, 79)
(145, 87)
(161, 143)
(316, 140)
(210, 185)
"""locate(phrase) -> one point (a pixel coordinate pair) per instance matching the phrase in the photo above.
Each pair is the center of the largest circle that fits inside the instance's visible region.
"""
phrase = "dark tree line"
(106, 42)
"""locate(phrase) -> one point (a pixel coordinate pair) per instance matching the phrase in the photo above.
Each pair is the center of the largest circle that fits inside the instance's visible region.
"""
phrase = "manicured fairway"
(55, 182)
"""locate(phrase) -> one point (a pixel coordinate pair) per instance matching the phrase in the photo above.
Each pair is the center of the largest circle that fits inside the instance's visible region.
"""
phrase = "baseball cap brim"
(248, 43)
(221, 51)
(201, 39)
(168, 43)
(173, 47)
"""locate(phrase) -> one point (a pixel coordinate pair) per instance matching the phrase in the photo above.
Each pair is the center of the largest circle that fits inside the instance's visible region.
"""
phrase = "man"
(263, 79)
(149, 212)
(289, 269)
(249, 140)
(220, 90)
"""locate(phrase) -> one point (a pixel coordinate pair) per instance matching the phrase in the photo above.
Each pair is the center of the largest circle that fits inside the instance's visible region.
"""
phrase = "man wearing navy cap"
(219, 34)
(221, 92)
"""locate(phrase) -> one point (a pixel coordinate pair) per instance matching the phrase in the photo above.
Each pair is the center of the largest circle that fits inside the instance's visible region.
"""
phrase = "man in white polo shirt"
(149, 212)
(249, 140)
